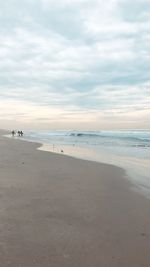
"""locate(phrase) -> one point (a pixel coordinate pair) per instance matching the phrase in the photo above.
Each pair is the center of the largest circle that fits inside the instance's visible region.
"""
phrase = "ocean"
(127, 149)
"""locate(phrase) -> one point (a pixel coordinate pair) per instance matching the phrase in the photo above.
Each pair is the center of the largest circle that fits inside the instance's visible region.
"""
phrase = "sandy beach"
(58, 211)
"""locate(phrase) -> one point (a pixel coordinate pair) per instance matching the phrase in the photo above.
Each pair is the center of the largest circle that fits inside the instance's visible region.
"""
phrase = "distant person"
(13, 133)
(21, 133)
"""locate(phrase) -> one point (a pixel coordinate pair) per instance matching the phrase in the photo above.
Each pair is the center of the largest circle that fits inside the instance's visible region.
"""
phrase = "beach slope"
(57, 211)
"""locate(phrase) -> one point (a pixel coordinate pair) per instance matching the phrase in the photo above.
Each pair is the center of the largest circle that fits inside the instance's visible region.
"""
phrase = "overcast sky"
(72, 64)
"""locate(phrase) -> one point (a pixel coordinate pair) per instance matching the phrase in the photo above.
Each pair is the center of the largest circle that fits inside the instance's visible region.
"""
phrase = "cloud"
(60, 60)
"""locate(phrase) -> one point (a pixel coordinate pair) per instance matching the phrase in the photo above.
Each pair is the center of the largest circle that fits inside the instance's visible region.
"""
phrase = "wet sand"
(57, 211)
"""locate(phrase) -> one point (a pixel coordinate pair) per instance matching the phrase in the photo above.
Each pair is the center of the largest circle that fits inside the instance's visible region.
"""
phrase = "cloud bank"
(77, 63)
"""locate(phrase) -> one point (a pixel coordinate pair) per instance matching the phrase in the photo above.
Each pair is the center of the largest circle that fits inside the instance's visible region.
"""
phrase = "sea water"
(127, 149)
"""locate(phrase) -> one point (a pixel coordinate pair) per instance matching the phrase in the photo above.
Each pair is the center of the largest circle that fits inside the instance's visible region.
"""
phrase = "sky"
(75, 64)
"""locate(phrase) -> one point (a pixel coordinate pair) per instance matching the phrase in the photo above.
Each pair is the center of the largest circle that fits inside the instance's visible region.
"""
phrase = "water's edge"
(140, 182)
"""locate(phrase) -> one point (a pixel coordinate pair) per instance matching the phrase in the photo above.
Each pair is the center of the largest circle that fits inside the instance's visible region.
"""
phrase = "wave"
(114, 138)
(85, 134)
(141, 145)
(114, 135)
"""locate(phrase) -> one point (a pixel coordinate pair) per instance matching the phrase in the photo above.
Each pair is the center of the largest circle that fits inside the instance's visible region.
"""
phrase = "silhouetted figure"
(21, 133)
(13, 133)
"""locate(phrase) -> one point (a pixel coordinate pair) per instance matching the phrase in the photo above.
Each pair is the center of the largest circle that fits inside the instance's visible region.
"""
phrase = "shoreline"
(60, 211)
(133, 172)
(41, 147)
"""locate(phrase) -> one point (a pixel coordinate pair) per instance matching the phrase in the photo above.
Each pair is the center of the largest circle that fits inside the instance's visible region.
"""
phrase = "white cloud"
(85, 56)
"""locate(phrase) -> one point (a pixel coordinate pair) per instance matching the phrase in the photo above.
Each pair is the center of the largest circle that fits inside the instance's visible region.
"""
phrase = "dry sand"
(57, 211)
